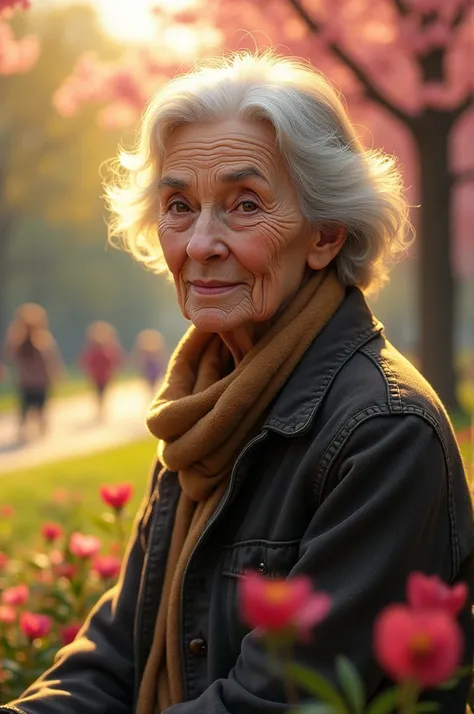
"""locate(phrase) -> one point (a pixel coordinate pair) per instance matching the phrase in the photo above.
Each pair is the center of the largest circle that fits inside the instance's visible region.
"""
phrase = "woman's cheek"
(257, 252)
(173, 246)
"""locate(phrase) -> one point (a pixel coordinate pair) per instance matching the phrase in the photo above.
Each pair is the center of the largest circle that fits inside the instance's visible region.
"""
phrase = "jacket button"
(262, 569)
(198, 647)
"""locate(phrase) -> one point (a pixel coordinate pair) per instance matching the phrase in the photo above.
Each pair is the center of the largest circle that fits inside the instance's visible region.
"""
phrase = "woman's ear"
(326, 245)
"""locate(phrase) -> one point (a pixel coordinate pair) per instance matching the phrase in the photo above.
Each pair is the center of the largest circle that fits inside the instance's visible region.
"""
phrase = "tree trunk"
(436, 280)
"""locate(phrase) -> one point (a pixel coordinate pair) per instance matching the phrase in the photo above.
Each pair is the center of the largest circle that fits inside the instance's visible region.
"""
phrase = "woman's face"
(230, 227)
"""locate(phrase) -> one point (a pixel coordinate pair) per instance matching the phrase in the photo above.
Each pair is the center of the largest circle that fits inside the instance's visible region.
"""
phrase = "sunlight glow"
(126, 20)
(132, 20)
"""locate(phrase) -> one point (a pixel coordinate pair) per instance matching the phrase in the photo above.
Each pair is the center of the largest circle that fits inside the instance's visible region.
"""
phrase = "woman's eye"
(178, 207)
(247, 207)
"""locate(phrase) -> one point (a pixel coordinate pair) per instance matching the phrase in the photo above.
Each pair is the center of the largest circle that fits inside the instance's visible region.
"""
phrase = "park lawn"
(75, 383)
(38, 493)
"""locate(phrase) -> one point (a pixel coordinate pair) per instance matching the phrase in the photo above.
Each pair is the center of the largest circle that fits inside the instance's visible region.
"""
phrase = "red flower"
(3, 560)
(34, 626)
(7, 511)
(68, 633)
(84, 546)
(413, 645)
(51, 531)
(16, 595)
(107, 566)
(276, 605)
(65, 570)
(7, 614)
(117, 496)
(425, 592)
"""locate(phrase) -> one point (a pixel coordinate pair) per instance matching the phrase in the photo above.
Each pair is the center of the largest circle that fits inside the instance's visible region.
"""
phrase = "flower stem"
(120, 529)
(281, 655)
(408, 697)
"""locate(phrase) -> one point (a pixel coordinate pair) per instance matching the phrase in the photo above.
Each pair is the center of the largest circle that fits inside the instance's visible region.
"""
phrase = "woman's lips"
(213, 288)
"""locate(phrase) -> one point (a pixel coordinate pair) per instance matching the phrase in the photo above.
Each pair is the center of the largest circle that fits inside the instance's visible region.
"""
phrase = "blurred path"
(74, 429)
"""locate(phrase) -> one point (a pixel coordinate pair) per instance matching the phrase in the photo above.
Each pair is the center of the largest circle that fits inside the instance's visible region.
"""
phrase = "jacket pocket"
(273, 559)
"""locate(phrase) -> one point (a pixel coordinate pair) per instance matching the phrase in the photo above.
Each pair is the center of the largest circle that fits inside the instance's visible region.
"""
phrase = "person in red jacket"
(100, 359)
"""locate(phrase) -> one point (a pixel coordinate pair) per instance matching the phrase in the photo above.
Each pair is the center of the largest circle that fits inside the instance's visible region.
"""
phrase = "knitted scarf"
(203, 415)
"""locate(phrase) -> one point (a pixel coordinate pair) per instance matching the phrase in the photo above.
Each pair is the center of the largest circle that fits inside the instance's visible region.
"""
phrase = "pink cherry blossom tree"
(406, 70)
(16, 55)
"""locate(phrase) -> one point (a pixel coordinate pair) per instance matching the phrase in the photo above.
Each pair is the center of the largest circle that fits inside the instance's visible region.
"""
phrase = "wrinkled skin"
(244, 233)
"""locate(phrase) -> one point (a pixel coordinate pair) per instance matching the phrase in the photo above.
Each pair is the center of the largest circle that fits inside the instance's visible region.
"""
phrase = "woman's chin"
(214, 320)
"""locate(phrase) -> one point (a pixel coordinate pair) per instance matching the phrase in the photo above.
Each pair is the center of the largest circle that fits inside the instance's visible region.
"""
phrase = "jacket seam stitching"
(350, 426)
(393, 389)
(266, 543)
(350, 349)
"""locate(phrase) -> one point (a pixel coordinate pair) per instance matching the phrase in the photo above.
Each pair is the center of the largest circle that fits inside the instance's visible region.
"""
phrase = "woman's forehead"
(237, 149)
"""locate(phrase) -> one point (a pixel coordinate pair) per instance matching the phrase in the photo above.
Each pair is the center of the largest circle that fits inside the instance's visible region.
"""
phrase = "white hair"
(338, 181)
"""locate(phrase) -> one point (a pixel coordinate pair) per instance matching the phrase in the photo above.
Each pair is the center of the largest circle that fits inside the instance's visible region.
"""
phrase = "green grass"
(75, 383)
(34, 492)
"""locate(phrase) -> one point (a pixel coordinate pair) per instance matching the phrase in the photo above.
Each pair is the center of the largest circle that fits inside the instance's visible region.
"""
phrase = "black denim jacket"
(354, 479)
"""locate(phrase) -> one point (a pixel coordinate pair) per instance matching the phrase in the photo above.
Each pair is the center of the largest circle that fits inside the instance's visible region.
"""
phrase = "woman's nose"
(207, 239)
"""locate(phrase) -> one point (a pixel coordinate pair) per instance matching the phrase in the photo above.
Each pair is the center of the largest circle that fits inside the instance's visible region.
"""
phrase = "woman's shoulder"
(380, 378)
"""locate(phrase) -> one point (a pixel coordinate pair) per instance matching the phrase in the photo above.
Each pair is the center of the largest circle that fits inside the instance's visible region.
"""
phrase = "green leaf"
(461, 673)
(102, 524)
(351, 684)
(385, 703)
(11, 666)
(426, 707)
(319, 708)
(316, 685)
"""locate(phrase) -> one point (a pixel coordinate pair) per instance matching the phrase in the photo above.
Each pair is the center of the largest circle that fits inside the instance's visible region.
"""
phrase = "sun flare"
(131, 20)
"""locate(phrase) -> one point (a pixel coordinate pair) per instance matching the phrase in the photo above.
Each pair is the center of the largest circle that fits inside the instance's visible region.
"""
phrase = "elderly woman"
(293, 439)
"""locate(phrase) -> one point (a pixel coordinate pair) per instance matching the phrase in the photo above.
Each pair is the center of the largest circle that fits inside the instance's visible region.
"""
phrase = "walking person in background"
(149, 356)
(100, 359)
(36, 360)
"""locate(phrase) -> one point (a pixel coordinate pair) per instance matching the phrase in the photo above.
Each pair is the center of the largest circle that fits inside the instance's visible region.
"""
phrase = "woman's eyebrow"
(173, 182)
(243, 174)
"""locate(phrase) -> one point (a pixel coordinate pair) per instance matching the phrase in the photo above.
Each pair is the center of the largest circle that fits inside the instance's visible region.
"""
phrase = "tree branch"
(464, 106)
(464, 176)
(372, 92)
(400, 8)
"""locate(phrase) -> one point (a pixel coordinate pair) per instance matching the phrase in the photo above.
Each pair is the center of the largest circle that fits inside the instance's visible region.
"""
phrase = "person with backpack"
(36, 361)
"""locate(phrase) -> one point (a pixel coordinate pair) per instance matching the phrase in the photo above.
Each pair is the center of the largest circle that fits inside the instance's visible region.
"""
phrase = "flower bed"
(48, 586)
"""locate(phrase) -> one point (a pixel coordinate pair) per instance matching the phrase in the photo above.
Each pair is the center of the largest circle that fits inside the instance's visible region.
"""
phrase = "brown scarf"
(202, 415)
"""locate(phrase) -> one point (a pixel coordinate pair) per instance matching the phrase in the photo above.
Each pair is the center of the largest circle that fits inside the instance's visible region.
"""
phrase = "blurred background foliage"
(53, 235)
(53, 238)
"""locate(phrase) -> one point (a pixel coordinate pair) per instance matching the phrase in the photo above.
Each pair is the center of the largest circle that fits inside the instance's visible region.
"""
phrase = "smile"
(213, 288)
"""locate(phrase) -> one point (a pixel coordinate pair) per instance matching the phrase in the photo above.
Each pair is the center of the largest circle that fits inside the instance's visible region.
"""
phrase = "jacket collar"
(351, 326)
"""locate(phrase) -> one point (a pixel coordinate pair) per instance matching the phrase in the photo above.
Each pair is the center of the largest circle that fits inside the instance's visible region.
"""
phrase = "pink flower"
(16, 595)
(60, 496)
(51, 531)
(425, 592)
(116, 496)
(7, 614)
(68, 633)
(413, 645)
(107, 566)
(84, 546)
(3, 560)
(275, 605)
(4, 4)
(34, 626)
